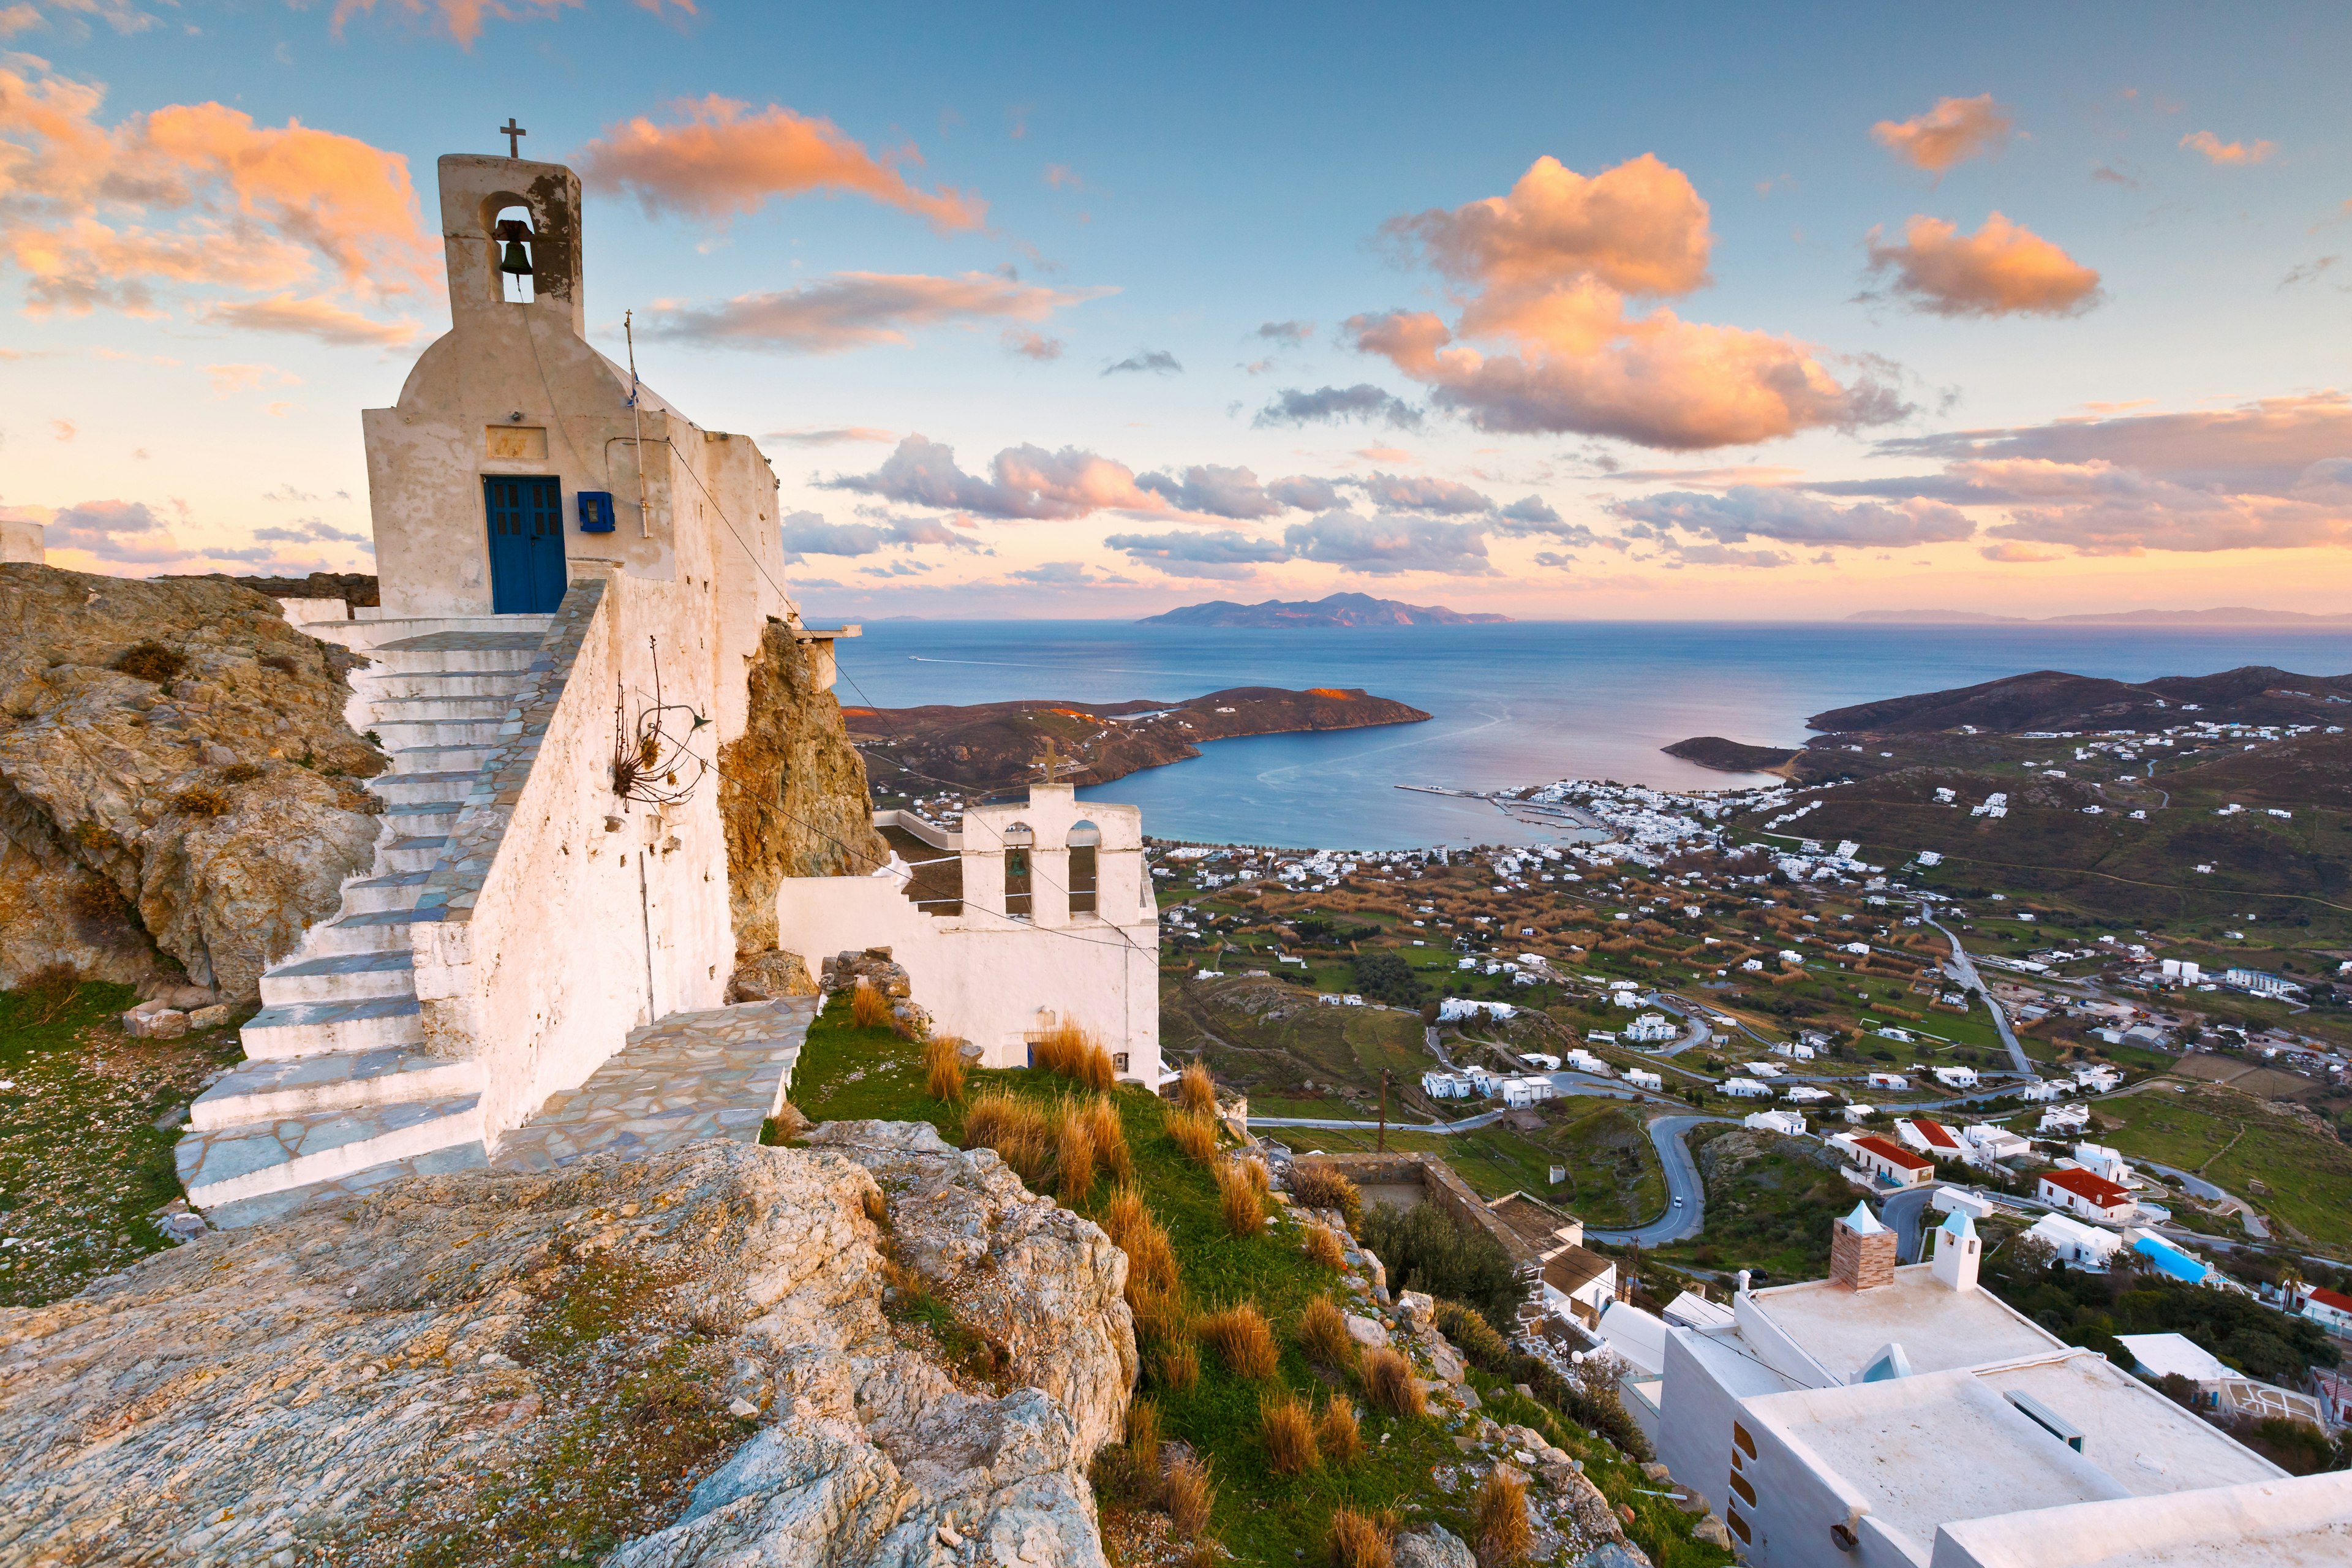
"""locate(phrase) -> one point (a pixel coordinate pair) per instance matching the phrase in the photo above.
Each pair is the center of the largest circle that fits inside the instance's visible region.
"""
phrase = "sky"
(1559, 311)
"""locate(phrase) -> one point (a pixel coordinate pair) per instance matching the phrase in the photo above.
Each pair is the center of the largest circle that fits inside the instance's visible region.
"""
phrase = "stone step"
(370, 630)
(317, 1028)
(465, 758)
(393, 890)
(340, 1080)
(405, 735)
(422, 820)
(438, 708)
(231, 1164)
(271, 1206)
(341, 977)
(372, 930)
(416, 852)
(415, 789)
(381, 687)
(402, 660)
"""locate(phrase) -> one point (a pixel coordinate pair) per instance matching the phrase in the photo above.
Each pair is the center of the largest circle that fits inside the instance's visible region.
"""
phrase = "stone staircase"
(337, 1087)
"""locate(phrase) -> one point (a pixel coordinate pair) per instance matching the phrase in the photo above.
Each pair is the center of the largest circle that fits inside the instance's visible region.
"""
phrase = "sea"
(1523, 704)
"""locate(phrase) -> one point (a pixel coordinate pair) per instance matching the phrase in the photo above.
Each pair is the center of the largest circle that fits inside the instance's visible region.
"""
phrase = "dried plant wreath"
(651, 760)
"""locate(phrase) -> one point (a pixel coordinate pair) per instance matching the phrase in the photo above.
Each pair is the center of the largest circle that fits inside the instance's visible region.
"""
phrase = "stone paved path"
(696, 1075)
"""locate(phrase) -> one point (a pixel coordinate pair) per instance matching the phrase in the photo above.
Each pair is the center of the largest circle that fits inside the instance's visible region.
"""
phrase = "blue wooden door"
(526, 522)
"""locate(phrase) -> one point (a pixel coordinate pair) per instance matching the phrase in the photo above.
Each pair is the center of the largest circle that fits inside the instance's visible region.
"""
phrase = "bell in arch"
(514, 248)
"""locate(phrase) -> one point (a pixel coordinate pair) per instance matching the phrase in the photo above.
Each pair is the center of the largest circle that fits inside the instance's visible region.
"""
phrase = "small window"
(1747, 1493)
(1738, 1526)
(1118, 1061)
(1739, 1436)
(1085, 837)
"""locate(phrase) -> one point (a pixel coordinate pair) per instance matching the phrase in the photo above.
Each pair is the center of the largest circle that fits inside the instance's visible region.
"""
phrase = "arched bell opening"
(1083, 840)
(1020, 846)
(514, 242)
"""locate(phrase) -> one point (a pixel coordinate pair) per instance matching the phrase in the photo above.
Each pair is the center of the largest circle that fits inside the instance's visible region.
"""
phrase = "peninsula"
(996, 745)
(1333, 610)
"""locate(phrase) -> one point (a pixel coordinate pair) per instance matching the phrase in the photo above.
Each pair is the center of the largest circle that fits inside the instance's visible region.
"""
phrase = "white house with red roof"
(2331, 1309)
(1931, 1138)
(2087, 1195)
(1886, 1161)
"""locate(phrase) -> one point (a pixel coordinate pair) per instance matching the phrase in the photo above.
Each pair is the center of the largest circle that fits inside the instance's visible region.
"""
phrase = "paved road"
(1695, 1028)
(2199, 1187)
(1903, 1214)
(1975, 982)
(1666, 1134)
(1468, 1124)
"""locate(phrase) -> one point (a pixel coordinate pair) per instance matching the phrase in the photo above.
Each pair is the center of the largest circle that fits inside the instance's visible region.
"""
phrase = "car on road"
(1678, 1200)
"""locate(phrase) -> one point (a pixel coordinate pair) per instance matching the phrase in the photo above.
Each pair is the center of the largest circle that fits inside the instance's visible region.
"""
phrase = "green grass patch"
(2304, 1172)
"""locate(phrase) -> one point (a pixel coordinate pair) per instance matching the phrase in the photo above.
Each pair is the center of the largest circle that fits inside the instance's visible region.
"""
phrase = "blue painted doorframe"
(526, 522)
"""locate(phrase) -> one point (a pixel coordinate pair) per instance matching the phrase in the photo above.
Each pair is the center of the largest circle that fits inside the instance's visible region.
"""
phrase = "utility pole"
(1384, 1111)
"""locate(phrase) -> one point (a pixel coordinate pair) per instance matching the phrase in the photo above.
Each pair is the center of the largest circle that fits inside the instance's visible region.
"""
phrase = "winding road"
(1680, 1222)
(1975, 982)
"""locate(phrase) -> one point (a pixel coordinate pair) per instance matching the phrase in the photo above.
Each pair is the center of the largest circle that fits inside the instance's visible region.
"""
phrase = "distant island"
(1337, 610)
(2228, 615)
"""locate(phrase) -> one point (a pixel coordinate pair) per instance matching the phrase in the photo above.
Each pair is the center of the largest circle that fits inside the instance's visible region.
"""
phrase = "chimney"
(1862, 1251)
(1957, 1252)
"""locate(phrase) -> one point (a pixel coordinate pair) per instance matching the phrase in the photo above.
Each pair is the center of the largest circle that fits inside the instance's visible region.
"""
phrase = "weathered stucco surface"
(379, 1371)
(791, 789)
(217, 811)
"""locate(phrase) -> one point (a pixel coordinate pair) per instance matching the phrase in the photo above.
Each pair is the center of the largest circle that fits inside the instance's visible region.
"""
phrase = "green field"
(1613, 1178)
(2234, 1141)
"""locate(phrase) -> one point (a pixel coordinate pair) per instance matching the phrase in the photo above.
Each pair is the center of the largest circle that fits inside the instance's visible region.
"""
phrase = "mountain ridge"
(1331, 610)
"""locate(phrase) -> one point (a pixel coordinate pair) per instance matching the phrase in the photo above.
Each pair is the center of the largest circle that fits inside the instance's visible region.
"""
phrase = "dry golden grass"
(1160, 1316)
(1109, 1137)
(1195, 1090)
(1195, 1132)
(1254, 1172)
(1505, 1537)
(1336, 1435)
(1289, 1434)
(1143, 1434)
(1151, 1260)
(1177, 1365)
(1075, 1053)
(1323, 1248)
(1359, 1540)
(1242, 1337)
(1188, 1497)
(868, 1008)
(1323, 1335)
(1074, 1155)
(1238, 1197)
(1012, 1126)
(1316, 1184)
(943, 1061)
(1390, 1384)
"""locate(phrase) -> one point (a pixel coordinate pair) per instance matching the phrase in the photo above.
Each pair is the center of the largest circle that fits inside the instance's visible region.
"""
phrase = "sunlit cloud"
(1955, 131)
(1790, 517)
(320, 319)
(463, 19)
(2003, 269)
(2227, 153)
(1388, 544)
(858, 310)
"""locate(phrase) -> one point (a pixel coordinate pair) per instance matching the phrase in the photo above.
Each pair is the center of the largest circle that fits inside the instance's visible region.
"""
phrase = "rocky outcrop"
(769, 976)
(791, 790)
(845, 1354)
(178, 788)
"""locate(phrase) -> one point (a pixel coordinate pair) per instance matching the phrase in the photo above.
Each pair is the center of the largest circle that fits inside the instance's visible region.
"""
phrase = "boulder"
(766, 976)
(1416, 1308)
(1712, 1531)
(1614, 1554)
(1432, 1546)
(212, 1018)
(155, 1021)
(127, 850)
(689, 1353)
(1368, 1332)
(872, 967)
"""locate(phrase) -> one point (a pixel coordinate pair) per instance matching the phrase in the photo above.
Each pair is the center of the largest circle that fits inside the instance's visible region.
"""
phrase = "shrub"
(1195, 1090)
(1475, 1337)
(48, 991)
(1013, 1127)
(1188, 1496)
(1426, 1249)
(1177, 1365)
(1237, 1196)
(788, 1123)
(1317, 1184)
(1589, 1399)
(1151, 1260)
(1288, 1432)
(1075, 1053)
(1323, 1248)
(1243, 1338)
(1323, 1335)
(1143, 1434)
(1074, 1155)
(1195, 1133)
(1109, 1137)
(1335, 1433)
(1359, 1540)
(1390, 1384)
(201, 800)
(943, 1062)
(282, 663)
(241, 773)
(1505, 1536)
(150, 661)
(1387, 978)
(868, 1008)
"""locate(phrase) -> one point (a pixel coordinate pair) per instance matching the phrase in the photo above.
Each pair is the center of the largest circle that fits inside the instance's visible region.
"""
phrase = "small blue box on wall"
(595, 511)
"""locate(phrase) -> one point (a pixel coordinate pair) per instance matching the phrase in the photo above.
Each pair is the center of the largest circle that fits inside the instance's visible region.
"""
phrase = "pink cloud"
(320, 319)
(194, 195)
(715, 162)
(2003, 269)
(464, 18)
(858, 310)
(1545, 273)
(1955, 131)
(1021, 482)
(2217, 150)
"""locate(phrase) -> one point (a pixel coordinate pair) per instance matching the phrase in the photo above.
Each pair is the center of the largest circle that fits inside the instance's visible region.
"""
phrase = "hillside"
(994, 745)
(1730, 756)
(2053, 699)
(1333, 610)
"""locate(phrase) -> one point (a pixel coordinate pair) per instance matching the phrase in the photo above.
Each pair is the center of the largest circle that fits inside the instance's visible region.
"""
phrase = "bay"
(1517, 704)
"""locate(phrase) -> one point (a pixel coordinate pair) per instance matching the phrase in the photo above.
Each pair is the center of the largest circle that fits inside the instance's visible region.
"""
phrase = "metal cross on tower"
(1048, 761)
(513, 132)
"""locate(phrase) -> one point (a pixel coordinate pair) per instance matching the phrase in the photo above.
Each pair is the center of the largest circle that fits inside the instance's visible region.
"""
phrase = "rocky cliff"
(853, 1353)
(791, 790)
(178, 789)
